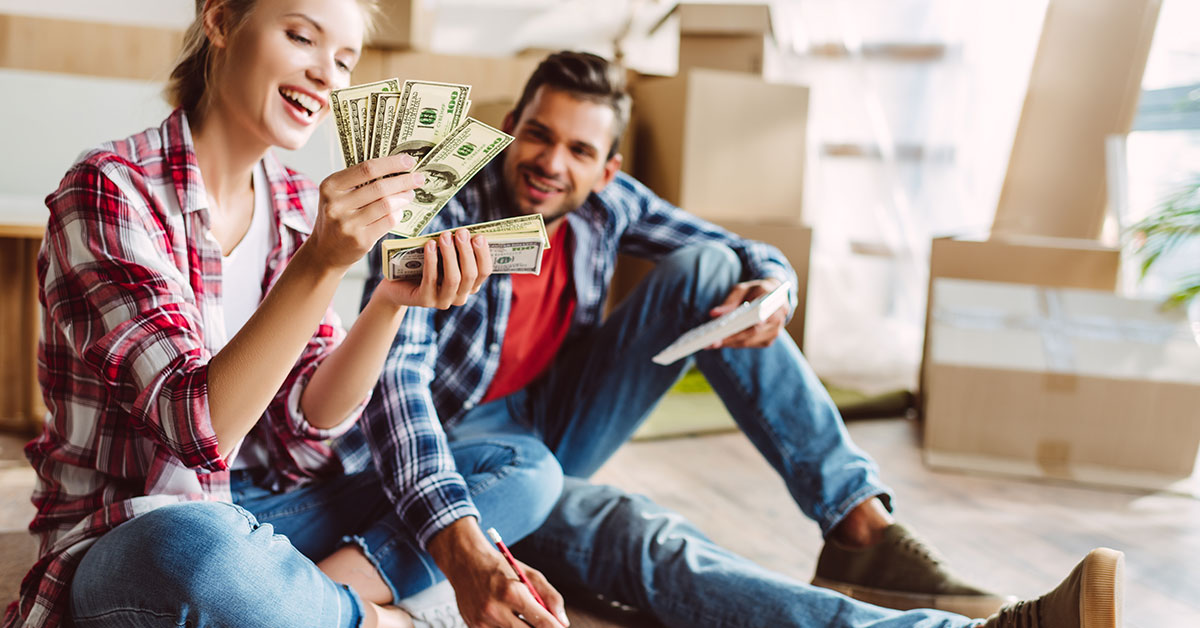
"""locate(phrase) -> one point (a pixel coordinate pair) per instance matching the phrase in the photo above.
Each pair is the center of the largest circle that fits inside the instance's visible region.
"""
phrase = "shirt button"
(495, 347)
(467, 405)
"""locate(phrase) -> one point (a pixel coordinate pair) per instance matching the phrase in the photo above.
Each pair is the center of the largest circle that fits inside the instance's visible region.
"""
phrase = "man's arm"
(656, 228)
(417, 470)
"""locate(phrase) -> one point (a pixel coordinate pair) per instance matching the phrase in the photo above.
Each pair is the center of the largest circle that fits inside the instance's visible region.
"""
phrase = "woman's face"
(275, 72)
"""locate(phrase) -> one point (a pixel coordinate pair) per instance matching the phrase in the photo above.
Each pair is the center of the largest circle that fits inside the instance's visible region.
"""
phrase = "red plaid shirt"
(131, 289)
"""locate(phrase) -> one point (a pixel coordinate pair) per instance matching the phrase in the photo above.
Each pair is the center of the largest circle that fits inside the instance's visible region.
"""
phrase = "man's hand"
(760, 335)
(489, 593)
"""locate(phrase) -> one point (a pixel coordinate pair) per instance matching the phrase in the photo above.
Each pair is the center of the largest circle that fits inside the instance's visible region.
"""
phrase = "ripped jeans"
(252, 564)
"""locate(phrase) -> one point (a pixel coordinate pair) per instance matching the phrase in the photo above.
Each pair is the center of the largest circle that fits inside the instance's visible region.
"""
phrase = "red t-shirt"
(542, 307)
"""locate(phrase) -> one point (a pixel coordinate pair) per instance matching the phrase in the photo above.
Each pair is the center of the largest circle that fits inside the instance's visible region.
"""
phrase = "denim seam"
(293, 510)
(504, 470)
(113, 611)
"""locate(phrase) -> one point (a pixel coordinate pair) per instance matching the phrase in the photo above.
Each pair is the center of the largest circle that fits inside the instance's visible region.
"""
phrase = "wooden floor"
(1014, 536)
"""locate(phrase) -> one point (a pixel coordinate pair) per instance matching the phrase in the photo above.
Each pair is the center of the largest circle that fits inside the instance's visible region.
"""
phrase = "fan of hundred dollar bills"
(428, 120)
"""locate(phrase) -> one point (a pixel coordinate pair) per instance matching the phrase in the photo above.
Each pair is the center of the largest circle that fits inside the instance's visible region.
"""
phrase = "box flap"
(720, 19)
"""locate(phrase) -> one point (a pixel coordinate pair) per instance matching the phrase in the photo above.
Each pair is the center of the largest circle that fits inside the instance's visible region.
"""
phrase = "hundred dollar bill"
(350, 108)
(514, 253)
(447, 168)
(505, 226)
(382, 109)
(428, 113)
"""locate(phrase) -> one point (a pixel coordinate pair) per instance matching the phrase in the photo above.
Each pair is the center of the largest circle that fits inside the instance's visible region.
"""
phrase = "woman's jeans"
(252, 563)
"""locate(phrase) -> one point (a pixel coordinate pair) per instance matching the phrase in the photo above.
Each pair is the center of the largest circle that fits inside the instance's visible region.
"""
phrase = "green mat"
(691, 407)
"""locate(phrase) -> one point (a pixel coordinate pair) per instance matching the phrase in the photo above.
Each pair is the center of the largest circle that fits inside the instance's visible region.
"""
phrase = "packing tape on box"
(1053, 457)
(1058, 330)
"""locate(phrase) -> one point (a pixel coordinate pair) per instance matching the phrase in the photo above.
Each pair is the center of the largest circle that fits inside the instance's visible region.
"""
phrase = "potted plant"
(1176, 221)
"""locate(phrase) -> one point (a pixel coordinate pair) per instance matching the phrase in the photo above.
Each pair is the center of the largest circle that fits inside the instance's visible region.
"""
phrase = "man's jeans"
(252, 564)
(601, 389)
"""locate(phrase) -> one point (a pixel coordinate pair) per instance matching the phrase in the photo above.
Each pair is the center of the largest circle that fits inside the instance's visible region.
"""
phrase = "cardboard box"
(88, 48)
(490, 78)
(794, 240)
(403, 25)
(148, 53)
(1027, 260)
(1084, 86)
(732, 37)
(725, 146)
(1061, 383)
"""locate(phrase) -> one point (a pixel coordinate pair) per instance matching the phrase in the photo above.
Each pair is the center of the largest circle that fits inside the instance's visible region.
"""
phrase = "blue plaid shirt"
(442, 361)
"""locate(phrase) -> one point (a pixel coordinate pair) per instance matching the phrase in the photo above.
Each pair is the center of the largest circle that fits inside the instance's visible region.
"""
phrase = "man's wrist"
(459, 544)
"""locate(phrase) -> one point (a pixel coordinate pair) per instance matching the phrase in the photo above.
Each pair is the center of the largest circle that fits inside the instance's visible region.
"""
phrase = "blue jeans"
(252, 563)
(600, 539)
(602, 387)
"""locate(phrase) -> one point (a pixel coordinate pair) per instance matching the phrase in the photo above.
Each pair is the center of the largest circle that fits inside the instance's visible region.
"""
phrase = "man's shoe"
(435, 607)
(1091, 597)
(902, 572)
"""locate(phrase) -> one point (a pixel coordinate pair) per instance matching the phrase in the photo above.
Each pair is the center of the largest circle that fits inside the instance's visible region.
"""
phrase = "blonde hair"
(192, 75)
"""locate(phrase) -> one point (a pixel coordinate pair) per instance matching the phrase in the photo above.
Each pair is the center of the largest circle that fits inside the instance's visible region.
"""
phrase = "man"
(530, 356)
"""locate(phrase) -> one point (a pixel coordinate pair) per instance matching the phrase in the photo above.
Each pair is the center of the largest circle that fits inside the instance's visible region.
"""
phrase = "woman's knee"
(167, 553)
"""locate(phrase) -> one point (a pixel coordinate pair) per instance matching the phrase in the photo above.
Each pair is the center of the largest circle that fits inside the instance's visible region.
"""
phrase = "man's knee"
(708, 271)
(511, 470)
(538, 478)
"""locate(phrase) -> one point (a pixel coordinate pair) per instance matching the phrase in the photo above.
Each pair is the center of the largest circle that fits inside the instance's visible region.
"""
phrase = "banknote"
(447, 168)
(351, 106)
(515, 224)
(512, 253)
(428, 113)
(383, 109)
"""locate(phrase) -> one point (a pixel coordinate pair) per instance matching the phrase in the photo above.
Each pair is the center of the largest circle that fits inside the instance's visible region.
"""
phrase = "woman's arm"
(345, 378)
(356, 207)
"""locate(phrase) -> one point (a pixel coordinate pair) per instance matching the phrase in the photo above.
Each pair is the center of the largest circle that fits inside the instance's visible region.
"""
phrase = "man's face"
(560, 154)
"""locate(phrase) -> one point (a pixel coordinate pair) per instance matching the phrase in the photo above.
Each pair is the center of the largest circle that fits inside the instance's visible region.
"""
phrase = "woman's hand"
(360, 204)
(465, 264)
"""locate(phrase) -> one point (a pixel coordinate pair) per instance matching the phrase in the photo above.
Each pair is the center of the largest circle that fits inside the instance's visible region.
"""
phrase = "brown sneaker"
(1090, 597)
(902, 572)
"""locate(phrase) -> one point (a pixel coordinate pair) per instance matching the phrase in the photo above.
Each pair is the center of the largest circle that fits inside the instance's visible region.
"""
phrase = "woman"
(189, 359)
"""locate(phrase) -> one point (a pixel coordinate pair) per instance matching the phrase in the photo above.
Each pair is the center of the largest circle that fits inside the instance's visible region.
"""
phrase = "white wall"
(52, 118)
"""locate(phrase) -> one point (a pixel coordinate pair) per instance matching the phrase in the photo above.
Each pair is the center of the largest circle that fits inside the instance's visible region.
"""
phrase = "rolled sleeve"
(328, 336)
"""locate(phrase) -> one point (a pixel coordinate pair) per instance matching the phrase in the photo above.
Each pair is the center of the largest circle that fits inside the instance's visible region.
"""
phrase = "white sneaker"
(435, 607)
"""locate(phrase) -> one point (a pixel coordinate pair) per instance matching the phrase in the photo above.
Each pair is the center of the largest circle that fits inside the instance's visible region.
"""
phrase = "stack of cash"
(428, 120)
(516, 245)
(425, 119)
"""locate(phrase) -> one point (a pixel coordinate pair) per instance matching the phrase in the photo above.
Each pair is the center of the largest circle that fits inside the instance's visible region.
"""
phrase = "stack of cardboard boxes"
(1033, 365)
(721, 142)
(402, 25)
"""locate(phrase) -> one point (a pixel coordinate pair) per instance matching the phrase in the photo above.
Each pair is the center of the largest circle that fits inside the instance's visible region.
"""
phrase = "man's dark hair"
(584, 76)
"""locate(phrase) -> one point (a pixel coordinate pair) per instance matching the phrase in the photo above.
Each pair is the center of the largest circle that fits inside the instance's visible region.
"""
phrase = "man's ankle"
(863, 526)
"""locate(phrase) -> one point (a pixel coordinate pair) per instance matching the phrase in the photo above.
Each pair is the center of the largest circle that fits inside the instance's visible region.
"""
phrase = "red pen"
(495, 536)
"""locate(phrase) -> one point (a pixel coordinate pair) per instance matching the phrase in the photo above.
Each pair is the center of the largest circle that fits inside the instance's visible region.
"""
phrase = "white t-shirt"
(245, 267)
(242, 274)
